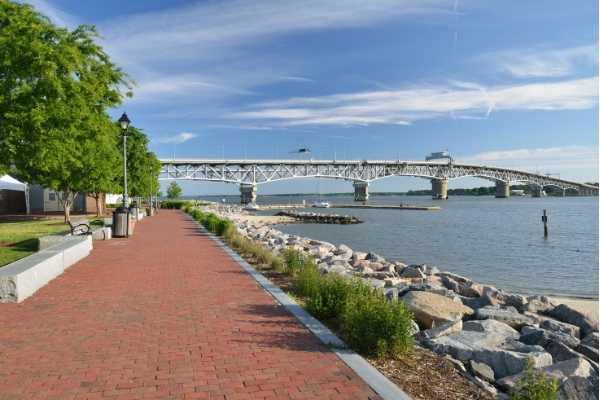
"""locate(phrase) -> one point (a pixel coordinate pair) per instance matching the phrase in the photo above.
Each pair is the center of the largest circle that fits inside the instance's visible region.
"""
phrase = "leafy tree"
(101, 170)
(55, 86)
(143, 167)
(174, 191)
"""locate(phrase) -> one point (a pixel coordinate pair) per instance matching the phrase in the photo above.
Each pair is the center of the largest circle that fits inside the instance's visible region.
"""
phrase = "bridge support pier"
(502, 190)
(536, 191)
(247, 193)
(439, 189)
(361, 191)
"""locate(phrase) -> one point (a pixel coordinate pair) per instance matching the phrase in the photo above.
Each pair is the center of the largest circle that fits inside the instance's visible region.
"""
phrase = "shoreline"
(269, 220)
(489, 335)
(585, 304)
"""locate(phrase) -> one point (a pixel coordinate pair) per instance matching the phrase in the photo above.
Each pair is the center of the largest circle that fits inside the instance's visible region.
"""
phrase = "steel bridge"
(250, 173)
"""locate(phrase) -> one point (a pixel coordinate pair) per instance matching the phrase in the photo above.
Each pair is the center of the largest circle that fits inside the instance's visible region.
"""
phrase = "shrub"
(306, 282)
(328, 301)
(375, 326)
(294, 261)
(535, 386)
(175, 204)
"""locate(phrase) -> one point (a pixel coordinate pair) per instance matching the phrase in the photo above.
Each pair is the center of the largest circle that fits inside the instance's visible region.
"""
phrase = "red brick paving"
(165, 314)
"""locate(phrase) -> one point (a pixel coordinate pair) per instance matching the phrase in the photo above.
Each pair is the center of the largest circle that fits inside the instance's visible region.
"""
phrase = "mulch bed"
(422, 374)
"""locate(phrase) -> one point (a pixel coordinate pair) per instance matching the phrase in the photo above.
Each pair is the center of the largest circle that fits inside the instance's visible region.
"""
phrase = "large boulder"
(320, 251)
(588, 351)
(539, 336)
(500, 331)
(412, 272)
(538, 304)
(579, 388)
(505, 357)
(375, 257)
(443, 329)
(482, 371)
(591, 340)
(557, 326)
(432, 309)
(506, 314)
(358, 256)
(343, 251)
(564, 313)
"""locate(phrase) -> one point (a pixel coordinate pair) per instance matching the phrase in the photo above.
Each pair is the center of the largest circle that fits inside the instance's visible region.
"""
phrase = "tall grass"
(365, 319)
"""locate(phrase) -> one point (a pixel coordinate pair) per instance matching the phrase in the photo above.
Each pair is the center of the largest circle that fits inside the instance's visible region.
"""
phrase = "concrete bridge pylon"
(439, 189)
(361, 191)
(502, 190)
(247, 193)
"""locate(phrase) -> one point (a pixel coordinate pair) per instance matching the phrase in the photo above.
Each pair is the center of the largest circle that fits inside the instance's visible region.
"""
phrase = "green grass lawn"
(18, 239)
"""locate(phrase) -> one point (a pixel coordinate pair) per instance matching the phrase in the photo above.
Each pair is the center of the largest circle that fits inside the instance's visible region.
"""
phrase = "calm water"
(496, 241)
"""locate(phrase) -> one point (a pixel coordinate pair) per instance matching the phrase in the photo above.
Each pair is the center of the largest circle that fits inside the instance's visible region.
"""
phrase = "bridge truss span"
(254, 172)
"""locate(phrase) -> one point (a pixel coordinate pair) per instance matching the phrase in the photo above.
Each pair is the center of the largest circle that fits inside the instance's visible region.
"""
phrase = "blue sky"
(506, 83)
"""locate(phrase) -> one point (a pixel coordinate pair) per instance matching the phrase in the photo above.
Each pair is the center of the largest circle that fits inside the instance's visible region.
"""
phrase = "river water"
(495, 241)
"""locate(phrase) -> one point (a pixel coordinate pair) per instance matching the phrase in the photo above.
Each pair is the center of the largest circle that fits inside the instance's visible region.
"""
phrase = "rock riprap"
(432, 309)
(485, 331)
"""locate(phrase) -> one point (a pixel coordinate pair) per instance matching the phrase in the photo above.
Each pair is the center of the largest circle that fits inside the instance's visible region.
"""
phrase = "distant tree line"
(56, 86)
(491, 191)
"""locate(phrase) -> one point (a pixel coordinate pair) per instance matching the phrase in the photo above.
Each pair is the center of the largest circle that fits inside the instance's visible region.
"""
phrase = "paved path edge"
(369, 374)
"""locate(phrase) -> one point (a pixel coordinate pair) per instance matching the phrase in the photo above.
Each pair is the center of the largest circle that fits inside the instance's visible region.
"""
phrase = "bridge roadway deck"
(165, 314)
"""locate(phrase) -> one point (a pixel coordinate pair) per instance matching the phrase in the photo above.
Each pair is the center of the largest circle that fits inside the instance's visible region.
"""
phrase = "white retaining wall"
(24, 277)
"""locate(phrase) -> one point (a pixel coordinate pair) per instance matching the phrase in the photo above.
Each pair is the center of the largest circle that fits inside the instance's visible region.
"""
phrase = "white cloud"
(404, 106)
(297, 79)
(536, 63)
(56, 15)
(570, 162)
(216, 26)
(179, 138)
(167, 87)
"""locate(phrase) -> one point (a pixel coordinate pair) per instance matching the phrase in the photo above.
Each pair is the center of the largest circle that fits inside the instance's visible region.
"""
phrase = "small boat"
(252, 207)
(321, 204)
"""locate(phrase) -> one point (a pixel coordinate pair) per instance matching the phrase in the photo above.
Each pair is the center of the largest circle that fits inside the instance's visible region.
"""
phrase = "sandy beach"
(589, 307)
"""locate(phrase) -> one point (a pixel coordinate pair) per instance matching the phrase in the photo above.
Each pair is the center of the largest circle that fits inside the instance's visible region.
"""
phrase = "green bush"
(535, 386)
(306, 282)
(295, 261)
(175, 204)
(332, 292)
(375, 326)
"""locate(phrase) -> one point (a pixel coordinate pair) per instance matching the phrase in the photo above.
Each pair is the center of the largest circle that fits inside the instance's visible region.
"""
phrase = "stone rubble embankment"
(489, 333)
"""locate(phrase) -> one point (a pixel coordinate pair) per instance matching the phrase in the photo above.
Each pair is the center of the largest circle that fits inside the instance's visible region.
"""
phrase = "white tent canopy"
(7, 182)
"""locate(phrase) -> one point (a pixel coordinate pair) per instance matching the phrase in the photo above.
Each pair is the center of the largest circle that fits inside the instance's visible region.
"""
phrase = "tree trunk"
(67, 209)
(98, 202)
(67, 201)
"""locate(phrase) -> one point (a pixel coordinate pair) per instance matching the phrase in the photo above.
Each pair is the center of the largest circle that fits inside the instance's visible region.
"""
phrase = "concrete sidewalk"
(165, 314)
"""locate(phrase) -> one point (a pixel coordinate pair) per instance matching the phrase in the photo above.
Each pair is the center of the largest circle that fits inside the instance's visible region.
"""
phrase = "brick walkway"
(163, 315)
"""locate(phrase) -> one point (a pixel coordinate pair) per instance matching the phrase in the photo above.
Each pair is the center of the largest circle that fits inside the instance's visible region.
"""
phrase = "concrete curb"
(375, 379)
(24, 277)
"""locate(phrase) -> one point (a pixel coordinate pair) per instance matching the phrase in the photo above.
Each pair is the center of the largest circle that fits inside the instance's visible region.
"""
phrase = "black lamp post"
(124, 122)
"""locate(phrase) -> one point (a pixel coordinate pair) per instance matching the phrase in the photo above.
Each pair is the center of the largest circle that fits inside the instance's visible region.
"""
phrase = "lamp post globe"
(124, 122)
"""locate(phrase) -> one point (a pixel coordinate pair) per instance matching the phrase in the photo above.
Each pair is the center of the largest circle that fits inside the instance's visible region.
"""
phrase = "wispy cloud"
(405, 106)
(56, 15)
(243, 127)
(215, 26)
(297, 79)
(164, 88)
(544, 62)
(568, 161)
(179, 138)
